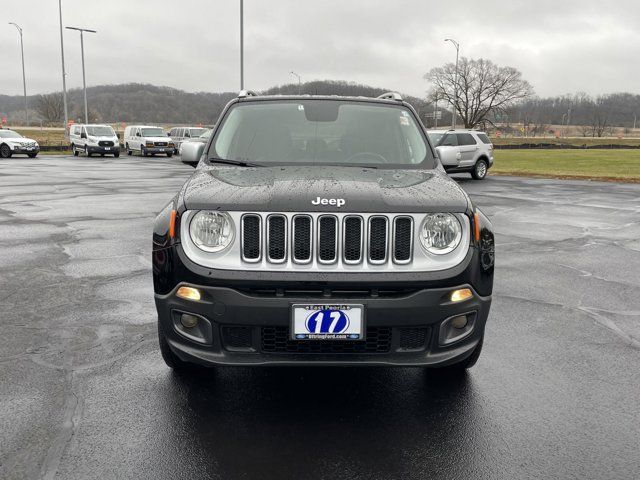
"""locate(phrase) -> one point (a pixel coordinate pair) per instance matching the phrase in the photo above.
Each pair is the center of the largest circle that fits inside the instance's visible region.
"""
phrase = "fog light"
(188, 321)
(461, 295)
(459, 322)
(188, 293)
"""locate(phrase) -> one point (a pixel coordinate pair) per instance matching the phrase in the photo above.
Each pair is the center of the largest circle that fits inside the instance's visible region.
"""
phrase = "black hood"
(292, 189)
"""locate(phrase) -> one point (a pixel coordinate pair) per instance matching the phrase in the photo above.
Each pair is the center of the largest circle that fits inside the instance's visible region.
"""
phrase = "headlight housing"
(211, 231)
(440, 233)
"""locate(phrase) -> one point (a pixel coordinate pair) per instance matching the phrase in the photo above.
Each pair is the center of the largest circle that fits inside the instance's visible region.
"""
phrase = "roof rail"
(247, 93)
(391, 96)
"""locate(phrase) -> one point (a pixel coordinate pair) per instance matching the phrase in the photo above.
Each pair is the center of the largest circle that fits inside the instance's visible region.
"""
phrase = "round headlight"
(440, 233)
(211, 231)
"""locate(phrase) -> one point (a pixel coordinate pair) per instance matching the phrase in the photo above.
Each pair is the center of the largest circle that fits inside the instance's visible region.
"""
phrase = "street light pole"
(84, 80)
(299, 81)
(64, 75)
(455, 84)
(24, 79)
(241, 44)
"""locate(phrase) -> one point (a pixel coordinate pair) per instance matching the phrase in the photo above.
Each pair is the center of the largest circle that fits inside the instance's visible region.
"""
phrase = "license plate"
(107, 148)
(30, 148)
(162, 149)
(327, 322)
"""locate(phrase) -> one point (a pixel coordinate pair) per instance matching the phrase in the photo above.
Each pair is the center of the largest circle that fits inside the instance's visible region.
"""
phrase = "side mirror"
(118, 136)
(449, 156)
(190, 153)
(83, 135)
(138, 134)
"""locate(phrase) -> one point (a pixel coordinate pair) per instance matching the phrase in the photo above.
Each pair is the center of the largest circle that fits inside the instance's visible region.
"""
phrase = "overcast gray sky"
(560, 46)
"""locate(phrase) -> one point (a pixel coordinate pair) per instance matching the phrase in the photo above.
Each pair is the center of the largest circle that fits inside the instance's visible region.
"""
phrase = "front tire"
(5, 151)
(32, 155)
(129, 151)
(480, 170)
(116, 155)
(169, 154)
(170, 358)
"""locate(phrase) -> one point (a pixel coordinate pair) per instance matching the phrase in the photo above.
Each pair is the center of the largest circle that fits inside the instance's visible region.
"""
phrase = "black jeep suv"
(321, 230)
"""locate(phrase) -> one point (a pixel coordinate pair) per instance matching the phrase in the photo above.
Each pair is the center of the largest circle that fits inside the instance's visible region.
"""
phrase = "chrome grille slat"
(302, 238)
(402, 239)
(251, 238)
(277, 238)
(327, 239)
(352, 239)
(378, 239)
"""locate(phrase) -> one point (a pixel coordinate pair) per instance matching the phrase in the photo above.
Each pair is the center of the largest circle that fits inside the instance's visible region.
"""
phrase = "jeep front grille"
(334, 237)
(325, 242)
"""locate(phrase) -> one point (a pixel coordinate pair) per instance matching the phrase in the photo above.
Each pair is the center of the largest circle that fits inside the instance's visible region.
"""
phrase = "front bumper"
(25, 150)
(250, 327)
(163, 150)
(103, 150)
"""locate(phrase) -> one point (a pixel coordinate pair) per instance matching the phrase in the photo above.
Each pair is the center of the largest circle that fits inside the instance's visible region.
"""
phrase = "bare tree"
(484, 88)
(50, 107)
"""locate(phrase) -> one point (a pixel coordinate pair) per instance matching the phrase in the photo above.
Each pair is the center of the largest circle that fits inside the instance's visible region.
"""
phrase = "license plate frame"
(328, 325)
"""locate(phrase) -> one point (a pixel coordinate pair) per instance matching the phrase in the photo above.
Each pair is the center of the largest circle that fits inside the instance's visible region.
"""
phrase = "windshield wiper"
(238, 163)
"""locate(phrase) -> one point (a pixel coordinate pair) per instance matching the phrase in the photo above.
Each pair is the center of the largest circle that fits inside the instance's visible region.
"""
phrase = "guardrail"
(556, 146)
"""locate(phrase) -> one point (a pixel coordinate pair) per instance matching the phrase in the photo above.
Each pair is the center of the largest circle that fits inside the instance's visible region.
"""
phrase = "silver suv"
(473, 151)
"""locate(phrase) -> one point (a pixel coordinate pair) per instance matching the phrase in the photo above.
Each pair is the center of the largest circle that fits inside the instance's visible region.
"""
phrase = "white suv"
(12, 143)
(474, 151)
(90, 139)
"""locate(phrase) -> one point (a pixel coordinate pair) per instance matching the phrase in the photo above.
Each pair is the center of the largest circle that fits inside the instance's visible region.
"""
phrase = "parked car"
(204, 138)
(474, 151)
(12, 143)
(182, 134)
(147, 140)
(321, 230)
(90, 139)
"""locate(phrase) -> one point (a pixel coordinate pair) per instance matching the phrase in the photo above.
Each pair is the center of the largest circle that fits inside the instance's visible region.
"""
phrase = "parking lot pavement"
(84, 393)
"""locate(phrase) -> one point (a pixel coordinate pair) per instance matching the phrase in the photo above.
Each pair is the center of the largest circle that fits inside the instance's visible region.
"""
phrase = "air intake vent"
(302, 239)
(251, 238)
(327, 239)
(277, 238)
(378, 239)
(403, 239)
(352, 239)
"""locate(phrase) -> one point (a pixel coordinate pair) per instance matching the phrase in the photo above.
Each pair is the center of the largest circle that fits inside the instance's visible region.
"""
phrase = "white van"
(184, 134)
(147, 140)
(90, 139)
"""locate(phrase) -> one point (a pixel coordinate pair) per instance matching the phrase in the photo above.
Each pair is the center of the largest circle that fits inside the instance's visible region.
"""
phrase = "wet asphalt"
(84, 392)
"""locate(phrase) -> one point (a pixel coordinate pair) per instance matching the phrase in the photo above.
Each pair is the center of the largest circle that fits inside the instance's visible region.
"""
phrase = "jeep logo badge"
(338, 202)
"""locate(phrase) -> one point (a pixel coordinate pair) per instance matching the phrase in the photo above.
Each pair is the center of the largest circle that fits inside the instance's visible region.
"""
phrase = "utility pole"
(84, 79)
(455, 82)
(24, 80)
(635, 117)
(64, 75)
(299, 81)
(241, 44)
(435, 112)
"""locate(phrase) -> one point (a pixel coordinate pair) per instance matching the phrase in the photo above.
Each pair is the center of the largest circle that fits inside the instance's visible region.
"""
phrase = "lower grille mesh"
(277, 340)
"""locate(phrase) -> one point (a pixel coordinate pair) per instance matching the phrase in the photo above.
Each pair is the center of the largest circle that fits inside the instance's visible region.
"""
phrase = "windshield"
(104, 131)
(9, 134)
(435, 137)
(196, 132)
(322, 132)
(153, 132)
